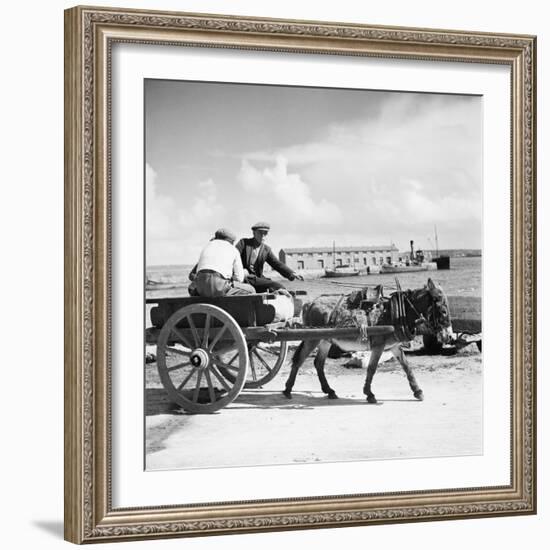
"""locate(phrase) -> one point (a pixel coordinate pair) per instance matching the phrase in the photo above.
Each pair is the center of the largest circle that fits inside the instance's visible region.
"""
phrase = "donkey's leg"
(402, 358)
(300, 355)
(319, 363)
(377, 347)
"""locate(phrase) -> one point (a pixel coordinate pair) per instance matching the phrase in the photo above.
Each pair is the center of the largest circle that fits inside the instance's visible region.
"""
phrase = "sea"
(463, 279)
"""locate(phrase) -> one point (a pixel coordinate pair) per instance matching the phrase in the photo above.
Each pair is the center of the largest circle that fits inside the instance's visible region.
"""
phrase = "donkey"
(412, 312)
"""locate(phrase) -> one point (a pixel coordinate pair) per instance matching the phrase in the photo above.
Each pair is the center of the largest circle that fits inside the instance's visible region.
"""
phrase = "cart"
(209, 349)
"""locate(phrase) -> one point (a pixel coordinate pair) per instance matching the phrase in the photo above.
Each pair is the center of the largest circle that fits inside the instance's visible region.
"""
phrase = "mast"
(333, 254)
(436, 243)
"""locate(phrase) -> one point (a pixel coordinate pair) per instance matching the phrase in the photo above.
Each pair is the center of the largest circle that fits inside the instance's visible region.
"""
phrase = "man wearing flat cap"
(219, 271)
(255, 253)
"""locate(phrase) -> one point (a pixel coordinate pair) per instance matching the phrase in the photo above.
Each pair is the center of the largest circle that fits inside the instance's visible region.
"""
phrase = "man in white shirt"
(219, 271)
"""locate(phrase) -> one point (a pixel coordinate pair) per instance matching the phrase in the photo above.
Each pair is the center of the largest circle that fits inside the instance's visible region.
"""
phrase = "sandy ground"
(262, 427)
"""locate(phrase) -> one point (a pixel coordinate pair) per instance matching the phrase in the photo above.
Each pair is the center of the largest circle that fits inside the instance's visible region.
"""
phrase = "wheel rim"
(191, 353)
(264, 362)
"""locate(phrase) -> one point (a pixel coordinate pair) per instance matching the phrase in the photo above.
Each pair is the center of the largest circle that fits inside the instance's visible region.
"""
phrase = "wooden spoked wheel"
(264, 362)
(191, 354)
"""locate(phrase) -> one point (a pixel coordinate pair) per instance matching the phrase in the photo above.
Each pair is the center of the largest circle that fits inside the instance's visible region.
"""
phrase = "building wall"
(321, 260)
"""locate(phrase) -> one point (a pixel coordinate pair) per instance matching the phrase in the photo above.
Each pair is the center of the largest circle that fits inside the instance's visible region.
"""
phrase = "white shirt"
(253, 258)
(223, 257)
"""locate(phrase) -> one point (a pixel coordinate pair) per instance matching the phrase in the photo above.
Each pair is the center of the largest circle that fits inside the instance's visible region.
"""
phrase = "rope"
(335, 309)
(399, 317)
(363, 332)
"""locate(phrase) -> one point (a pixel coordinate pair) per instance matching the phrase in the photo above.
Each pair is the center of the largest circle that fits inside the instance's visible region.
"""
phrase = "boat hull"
(443, 262)
(402, 269)
(340, 273)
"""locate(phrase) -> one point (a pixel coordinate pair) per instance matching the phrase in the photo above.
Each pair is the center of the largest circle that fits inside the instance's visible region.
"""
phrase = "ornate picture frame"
(90, 34)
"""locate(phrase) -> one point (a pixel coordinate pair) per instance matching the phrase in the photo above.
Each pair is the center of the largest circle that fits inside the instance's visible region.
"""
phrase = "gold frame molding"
(89, 35)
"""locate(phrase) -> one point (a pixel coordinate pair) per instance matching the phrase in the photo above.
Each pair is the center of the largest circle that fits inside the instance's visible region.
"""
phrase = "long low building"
(359, 257)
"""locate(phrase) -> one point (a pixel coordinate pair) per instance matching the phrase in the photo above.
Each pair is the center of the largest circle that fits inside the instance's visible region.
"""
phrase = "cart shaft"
(314, 333)
(276, 332)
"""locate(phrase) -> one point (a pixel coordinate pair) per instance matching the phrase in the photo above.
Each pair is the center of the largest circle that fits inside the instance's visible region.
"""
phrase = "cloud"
(287, 191)
(169, 222)
(414, 163)
(204, 208)
(401, 165)
(414, 206)
(160, 209)
(412, 136)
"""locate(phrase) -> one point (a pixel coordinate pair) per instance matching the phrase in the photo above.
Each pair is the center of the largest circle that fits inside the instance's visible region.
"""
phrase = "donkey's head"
(436, 315)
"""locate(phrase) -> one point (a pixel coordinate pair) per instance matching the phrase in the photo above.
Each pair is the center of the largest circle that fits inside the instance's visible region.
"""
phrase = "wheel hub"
(199, 358)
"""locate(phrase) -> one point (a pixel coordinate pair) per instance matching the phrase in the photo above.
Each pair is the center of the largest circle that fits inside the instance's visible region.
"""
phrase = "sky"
(358, 167)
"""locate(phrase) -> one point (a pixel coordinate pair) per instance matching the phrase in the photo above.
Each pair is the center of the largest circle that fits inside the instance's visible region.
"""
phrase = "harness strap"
(418, 314)
(399, 317)
(335, 309)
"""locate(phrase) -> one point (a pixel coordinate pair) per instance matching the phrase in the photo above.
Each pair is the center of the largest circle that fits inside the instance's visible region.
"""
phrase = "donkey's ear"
(431, 285)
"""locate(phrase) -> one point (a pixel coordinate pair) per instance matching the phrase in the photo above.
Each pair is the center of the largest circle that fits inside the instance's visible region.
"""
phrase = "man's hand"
(299, 277)
(283, 292)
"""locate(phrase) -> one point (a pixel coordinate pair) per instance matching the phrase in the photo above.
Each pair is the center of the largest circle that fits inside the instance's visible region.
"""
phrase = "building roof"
(319, 249)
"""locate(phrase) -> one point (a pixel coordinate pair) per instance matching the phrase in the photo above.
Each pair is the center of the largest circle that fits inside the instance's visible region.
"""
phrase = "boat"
(403, 268)
(443, 261)
(340, 270)
(416, 262)
(150, 284)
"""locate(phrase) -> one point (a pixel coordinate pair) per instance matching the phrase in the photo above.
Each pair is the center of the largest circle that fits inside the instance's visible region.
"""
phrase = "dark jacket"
(265, 254)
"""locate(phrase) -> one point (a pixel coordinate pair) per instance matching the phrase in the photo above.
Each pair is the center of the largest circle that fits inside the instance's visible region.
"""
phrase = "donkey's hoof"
(287, 394)
(371, 399)
(332, 395)
(419, 394)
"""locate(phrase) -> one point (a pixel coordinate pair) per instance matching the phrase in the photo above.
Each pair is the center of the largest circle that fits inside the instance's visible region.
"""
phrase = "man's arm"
(238, 272)
(279, 266)
(240, 246)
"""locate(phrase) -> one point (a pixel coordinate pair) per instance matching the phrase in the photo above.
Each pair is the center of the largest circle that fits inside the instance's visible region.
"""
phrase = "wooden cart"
(209, 349)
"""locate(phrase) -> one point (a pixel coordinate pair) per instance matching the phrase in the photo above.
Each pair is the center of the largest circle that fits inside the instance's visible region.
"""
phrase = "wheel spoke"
(183, 338)
(253, 368)
(193, 330)
(211, 391)
(187, 378)
(217, 338)
(262, 360)
(178, 366)
(220, 378)
(197, 387)
(178, 351)
(233, 359)
(226, 366)
(206, 331)
(268, 350)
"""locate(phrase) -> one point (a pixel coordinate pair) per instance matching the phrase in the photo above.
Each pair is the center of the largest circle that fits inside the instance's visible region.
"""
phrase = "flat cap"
(225, 234)
(261, 225)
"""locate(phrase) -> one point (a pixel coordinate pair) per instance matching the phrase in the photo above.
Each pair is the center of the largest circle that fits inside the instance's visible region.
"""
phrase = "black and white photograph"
(313, 275)
(300, 300)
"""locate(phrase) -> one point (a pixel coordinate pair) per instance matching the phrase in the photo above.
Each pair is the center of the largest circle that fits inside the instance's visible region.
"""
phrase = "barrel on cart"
(209, 349)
